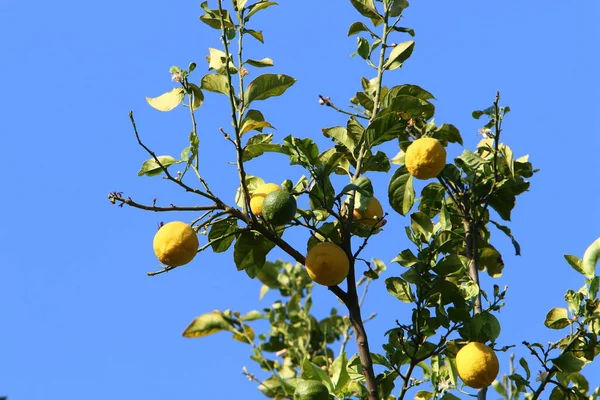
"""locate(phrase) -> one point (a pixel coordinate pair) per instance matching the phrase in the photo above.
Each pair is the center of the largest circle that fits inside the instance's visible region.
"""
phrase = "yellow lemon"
(425, 158)
(327, 264)
(372, 215)
(477, 365)
(258, 196)
(175, 244)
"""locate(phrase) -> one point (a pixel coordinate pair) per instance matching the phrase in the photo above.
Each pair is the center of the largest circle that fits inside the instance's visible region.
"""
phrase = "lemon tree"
(455, 201)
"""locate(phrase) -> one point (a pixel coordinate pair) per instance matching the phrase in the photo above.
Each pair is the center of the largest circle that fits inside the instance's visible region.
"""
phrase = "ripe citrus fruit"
(425, 158)
(258, 196)
(175, 243)
(372, 215)
(311, 390)
(279, 207)
(477, 365)
(327, 264)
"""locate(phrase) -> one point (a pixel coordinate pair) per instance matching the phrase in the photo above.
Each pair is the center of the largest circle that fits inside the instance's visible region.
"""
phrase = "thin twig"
(328, 103)
(165, 170)
(128, 201)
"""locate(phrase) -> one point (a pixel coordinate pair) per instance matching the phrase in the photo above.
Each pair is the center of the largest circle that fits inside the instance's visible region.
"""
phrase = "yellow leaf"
(244, 338)
(207, 324)
(167, 101)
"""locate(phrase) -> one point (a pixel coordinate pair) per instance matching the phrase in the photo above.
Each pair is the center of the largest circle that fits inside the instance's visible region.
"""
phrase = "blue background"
(80, 319)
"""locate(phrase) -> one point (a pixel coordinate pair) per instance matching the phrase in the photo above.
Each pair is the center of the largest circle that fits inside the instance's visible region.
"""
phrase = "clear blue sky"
(80, 319)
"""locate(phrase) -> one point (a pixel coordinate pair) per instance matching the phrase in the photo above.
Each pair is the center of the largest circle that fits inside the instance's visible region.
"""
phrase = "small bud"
(321, 101)
(281, 352)
(244, 72)
(176, 77)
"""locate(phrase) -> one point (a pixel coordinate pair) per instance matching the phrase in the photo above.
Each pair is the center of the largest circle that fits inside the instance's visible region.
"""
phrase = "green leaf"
(152, 168)
(490, 326)
(406, 90)
(590, 259)
(260, 144)
(254, 8)
(396, 7)
(469, 161)
(311, 371)
(362, 47)
(207, 324)
(213, 18)
(301, 151)
(265, 62)
(339, 373)
(383, 128)
(406, 258)
(568, 363)
(576, 263)
(490, 259)
(221, 229)
(448, 132)
(198, 96)
(557, 318)
(399, 54)
(508, 233)
(167, 101)
(357, 27)
(251, 250)
(423, 395)
(400, 289)
(377, 162)
(252, 316)
(401, 194)
(525, 366)
(448, 265)
(340, 135)
(269, 275)
(267, 85)
(215, 83)
(410, 31)
(367, 9)
(420, 223)
(258, 35)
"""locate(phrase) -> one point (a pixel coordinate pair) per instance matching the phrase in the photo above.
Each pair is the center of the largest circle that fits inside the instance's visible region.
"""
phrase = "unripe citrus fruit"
(425, 158)
(258, 196)
(327, 264)
(279, 207)
(175, 244)
(311, 390)
(477, 365)
(371, 216)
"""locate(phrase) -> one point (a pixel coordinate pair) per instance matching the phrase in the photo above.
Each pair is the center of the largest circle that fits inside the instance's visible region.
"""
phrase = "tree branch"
(115, 197)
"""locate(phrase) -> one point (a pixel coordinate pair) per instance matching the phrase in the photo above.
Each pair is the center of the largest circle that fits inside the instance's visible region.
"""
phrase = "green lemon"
(311, 390)
(279, 207)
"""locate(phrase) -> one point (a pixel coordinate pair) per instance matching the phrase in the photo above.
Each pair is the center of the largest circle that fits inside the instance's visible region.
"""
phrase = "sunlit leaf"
(267, 85)
(152, 168)
(167, 101)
